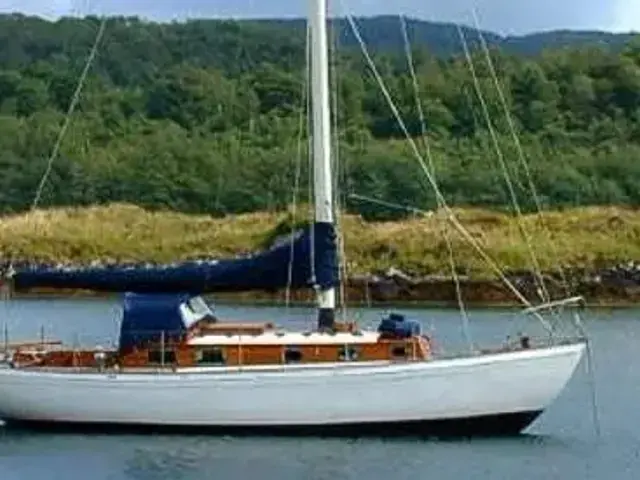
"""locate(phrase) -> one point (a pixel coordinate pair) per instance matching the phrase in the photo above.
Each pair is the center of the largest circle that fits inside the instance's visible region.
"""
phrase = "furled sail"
(314, 264)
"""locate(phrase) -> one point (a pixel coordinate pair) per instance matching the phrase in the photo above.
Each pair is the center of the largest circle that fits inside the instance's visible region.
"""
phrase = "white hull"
(493, 385)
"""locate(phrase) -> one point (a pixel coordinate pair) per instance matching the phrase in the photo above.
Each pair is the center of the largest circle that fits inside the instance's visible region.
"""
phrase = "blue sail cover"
(314, 252)
(146, 316)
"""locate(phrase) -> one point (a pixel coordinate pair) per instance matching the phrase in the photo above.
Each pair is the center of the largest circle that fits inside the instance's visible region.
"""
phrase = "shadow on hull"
(502, 425)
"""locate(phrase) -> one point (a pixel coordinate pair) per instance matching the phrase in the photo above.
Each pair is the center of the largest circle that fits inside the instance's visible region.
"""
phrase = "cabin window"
(155, 357)
(348, 353)
(398, 352)
(292, 355)
(210, 356)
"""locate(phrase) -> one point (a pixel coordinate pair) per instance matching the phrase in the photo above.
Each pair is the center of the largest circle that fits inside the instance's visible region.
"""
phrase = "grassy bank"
(588, 238)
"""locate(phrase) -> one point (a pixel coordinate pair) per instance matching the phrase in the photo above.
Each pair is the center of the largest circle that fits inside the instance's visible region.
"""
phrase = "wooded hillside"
(204, 116)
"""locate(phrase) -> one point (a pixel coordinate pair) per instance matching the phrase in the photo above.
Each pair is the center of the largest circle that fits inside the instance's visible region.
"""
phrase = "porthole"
(292, 355)
(397, 352)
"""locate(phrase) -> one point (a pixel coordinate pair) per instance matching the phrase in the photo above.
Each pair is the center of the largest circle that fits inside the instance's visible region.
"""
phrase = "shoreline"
(417, 304)
(402, 262)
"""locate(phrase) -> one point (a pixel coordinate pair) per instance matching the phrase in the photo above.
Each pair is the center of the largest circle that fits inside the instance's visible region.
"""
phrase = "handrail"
(556, 303)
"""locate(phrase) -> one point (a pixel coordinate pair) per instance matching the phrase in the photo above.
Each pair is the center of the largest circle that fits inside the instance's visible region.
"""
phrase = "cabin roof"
(287, 338)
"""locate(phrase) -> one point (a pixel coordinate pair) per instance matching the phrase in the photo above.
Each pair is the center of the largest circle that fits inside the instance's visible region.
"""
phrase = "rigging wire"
(310, 169)
(72, 106)
(298, 173)
(65, 126)
(450, 214)
(542, 289)
(427, 148)
(519, 149)
(385, 203)
(337, 164)
(591, 375)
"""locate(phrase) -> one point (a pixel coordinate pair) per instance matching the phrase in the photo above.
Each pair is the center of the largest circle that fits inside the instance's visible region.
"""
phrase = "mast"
(321, 120)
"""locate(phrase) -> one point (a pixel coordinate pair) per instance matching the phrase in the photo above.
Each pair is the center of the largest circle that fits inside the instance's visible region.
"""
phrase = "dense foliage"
(205, 116)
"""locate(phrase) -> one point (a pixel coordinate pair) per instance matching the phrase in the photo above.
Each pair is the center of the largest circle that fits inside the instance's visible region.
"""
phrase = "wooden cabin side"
(184, 355)
(221, 350)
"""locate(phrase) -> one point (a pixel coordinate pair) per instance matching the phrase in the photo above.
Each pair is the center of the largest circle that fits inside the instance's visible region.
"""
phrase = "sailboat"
(179, 367)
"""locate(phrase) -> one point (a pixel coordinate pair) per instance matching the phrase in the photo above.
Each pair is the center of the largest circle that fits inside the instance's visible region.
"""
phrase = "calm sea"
(562, 444)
